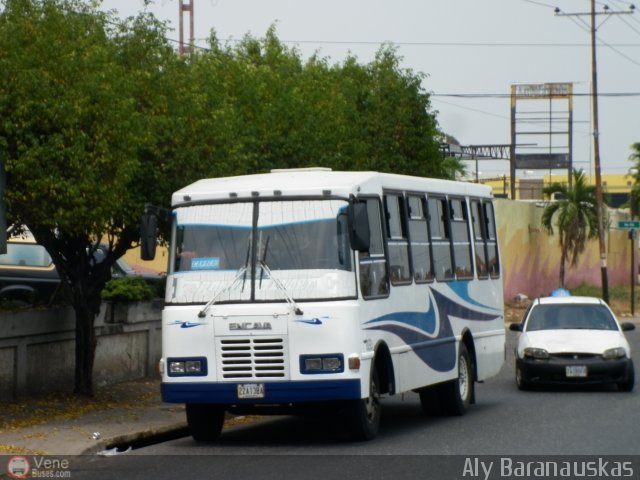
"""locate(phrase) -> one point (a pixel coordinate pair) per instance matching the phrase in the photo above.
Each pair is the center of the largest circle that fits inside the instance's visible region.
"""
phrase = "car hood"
(573, 341)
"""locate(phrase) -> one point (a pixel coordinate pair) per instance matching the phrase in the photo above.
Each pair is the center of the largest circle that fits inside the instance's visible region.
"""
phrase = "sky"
(471, 51)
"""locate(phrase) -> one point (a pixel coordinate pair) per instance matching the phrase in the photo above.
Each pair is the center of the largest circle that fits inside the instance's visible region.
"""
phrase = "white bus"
(309, 288)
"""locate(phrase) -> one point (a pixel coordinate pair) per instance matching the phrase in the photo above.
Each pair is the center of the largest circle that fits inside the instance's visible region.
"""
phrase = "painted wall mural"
(531, 257)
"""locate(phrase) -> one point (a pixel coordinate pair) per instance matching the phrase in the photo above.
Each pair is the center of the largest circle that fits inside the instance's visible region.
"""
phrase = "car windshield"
(570, 317)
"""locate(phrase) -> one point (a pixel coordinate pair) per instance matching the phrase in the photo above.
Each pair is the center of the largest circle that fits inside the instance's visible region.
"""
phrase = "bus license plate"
(576, 371)
(250, 390)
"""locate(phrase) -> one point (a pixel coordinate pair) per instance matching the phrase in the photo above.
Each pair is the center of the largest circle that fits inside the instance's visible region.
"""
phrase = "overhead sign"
(629, 224)
(543, 90)
(542, 160)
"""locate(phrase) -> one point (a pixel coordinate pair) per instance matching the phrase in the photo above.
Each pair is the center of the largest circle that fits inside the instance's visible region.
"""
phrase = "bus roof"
(316, 182)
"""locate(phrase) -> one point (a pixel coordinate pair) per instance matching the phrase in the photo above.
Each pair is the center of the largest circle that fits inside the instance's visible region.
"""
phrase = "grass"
(617, 292)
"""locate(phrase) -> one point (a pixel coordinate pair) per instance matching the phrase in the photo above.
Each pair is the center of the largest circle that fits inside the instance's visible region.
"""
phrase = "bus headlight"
(328, 363)
(180, 367)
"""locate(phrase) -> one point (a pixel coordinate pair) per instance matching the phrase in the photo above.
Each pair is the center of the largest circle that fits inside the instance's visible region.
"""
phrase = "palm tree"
(634, 200)
(575, 216)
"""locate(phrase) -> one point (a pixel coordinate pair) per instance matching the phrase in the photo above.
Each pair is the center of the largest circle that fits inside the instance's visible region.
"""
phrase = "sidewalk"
(122, 414)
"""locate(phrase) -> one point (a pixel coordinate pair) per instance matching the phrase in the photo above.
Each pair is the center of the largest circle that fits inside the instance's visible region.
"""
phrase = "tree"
(634, 201)
(574, 214)
(99, 117)
(76, 112)
(278, 111)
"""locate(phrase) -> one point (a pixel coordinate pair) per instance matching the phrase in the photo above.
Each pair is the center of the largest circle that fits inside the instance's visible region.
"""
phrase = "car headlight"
(613, 353)
(537, 353)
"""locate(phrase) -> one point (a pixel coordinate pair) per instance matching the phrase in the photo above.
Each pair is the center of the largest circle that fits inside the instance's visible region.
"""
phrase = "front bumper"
(275, 393)
(554, 370)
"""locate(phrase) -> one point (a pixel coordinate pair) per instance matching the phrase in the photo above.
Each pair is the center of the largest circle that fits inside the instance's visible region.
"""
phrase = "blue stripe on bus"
(439, 351)
(275, 392)
(462, 290)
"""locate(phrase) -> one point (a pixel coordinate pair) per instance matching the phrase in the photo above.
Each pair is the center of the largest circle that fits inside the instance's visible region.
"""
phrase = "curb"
(120, 443)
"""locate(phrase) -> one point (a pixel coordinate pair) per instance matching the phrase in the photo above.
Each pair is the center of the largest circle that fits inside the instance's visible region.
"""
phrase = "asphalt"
(120, 416)
(128, 414)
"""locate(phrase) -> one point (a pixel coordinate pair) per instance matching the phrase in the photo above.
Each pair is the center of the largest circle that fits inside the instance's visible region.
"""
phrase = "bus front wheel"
(205, 421)
(364, 414)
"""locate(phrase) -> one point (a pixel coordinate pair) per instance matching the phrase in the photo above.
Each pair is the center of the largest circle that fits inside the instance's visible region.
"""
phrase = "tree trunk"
(563, 261)
(85, 350)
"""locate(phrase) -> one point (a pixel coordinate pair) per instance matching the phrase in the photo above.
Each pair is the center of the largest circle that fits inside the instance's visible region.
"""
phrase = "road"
(504, 422)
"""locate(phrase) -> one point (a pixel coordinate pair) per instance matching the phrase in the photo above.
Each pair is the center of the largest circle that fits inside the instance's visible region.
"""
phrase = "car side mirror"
(516, 327)
(626, 326)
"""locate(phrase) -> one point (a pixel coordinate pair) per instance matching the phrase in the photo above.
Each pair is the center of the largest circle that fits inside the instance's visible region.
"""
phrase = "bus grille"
(252, 358)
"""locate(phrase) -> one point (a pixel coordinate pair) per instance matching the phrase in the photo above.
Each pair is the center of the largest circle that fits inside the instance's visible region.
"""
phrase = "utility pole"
(3, 217)
(186, 7)
(596, 142)
(596, 158)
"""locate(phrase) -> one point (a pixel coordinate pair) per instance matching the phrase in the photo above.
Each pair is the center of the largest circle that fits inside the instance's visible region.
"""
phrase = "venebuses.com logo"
(18, 467)
(38, 467)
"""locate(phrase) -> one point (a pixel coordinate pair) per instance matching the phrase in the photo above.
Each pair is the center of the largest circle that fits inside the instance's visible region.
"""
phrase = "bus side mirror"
(359, 233)
(148, 236)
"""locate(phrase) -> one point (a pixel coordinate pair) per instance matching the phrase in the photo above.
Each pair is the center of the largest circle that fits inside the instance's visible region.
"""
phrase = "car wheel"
(627, 384)
(364, 414)
(205, 421)
(521, 381)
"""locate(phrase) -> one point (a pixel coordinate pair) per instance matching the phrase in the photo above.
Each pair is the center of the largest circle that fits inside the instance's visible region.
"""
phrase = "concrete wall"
(531, 257)
(37, 348)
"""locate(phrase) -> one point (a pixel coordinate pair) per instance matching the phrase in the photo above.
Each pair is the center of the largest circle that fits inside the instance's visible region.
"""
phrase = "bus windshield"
(302, 243)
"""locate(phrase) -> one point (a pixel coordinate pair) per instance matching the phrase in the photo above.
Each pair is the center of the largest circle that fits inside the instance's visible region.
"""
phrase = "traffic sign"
(627, 224)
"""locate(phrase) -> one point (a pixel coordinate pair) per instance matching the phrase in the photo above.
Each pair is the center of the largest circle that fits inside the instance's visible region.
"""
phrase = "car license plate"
(576, 371)
(250, 390)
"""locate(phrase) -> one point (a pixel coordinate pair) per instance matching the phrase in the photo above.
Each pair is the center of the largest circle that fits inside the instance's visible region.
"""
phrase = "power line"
(437, 44)
(508, 95)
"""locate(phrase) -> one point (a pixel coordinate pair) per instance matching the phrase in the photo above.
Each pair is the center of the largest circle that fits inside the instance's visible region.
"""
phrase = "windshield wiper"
(281, 287)
(242, 272)
(239, 274)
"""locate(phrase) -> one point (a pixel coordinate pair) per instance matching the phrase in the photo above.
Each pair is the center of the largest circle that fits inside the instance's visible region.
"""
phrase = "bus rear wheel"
(364, 414)
(452, 397)
(205, 421)
(459, 394)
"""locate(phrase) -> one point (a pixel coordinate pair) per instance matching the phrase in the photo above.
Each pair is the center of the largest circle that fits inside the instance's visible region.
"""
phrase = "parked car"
(28, 275)
(574, 341)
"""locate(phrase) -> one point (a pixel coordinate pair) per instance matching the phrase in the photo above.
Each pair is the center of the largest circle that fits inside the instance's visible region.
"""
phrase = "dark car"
(572, 341)
(28, 276)
(27, 273)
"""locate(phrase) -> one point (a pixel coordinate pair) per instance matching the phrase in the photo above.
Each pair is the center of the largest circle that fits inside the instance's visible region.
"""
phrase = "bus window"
(397, 239)
(460, 236)
(479, 238)
(419, 237)
(440, 238)
(485, 243)
(493, 260)
(374, 281)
